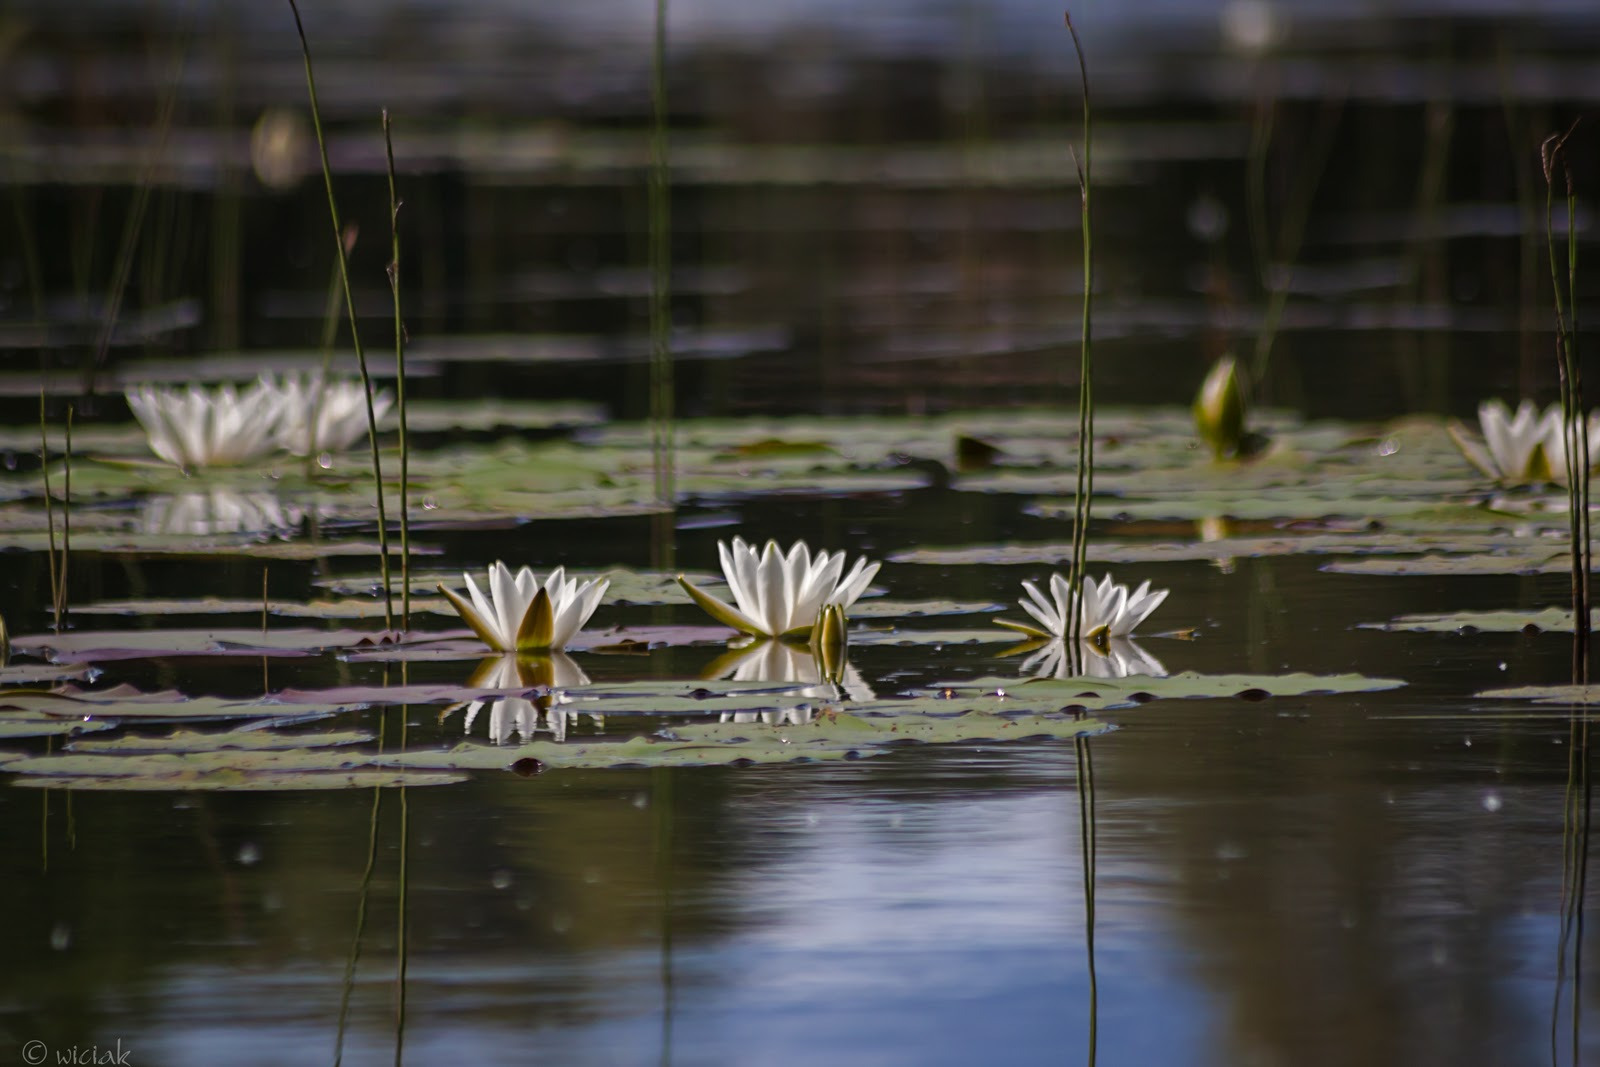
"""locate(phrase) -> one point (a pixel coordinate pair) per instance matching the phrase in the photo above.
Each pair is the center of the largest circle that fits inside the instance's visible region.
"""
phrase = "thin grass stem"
(49, 512)
(1085, 484)
(662, 398)
(400, 380)
(350, 309)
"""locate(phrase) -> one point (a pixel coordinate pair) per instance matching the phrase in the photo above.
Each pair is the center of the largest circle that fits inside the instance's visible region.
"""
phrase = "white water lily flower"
(1109, 610)
(219, 427)
(779, 593)
(1121, 657)
(319, 417)
(1514, 449)
(522, 615)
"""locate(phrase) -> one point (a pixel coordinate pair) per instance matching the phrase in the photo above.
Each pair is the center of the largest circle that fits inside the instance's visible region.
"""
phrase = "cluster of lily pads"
(302, 414)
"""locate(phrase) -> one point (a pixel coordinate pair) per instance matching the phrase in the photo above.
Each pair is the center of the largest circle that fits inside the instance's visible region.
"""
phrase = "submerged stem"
(400, 382)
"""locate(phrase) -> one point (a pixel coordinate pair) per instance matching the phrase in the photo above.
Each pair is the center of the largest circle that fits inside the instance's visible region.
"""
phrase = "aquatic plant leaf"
(125, 702)
(455, 645)
(1545, 694)
(492, 413)
(233, 780)
(1093, 693)
(18, 726)
(246, 739)
(831, 735)
(898, 636)
(1545, 562)
(141, 644)
(1511, 621)
(316, 609)
(34, 673)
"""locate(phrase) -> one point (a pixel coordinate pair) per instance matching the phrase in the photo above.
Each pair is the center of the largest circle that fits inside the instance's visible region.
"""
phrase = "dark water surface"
(872, 215)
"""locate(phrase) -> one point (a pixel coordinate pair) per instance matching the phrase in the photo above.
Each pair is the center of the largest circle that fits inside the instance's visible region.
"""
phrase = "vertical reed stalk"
(1574, 424)
(662, 400)
(402, 906)
(400, 381)
(347, 987)
(49, 512)
(350, 310)
(1088, 846)
(1085, 486)
(66, 526)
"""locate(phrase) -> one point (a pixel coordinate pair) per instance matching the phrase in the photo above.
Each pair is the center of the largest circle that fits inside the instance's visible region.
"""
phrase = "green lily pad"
(99, 647)
(1100, 693)
(19, 726)
(1532, 620)
(1545, 562)
(34, 673)
(315, 609)
(244, 740)
(1545, 694)
(491, 413)
(123, 702)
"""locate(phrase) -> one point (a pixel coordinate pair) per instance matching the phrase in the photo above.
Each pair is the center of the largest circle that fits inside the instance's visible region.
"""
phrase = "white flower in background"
(1514, 449)
(221, 427)
(1109, 610)
(1120, 657)
(779, 593)
(777, 661)
(218, 511)
(513, 719)
(335, 411)
(522, 615)
(1555, 444)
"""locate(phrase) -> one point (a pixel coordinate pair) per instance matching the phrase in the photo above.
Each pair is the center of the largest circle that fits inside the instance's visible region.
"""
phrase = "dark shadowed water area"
(875, 288)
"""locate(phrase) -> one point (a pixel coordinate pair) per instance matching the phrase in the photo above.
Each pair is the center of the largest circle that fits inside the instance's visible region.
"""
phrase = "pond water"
(298, 835)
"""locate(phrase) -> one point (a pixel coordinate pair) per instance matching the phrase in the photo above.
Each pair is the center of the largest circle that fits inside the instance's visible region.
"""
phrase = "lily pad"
(100, 647)
(123, 702)
(1530, 621)
(1544, 562)
(1100, 693)
(244, 740)
(18, 726)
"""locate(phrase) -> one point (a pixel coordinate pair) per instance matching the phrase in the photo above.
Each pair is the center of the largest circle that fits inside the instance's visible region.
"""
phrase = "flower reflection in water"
(777, 661)
(1119, 657)
(218, 511)
(515, 720)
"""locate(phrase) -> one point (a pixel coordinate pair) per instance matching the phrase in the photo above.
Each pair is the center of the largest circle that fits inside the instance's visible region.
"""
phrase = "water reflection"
(1120, 658)
(218, 511)
(516, 720)
(777, 661)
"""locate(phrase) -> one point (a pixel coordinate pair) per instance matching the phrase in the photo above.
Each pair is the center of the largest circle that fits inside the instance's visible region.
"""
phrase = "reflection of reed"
(1087, 839)
(1574, 878)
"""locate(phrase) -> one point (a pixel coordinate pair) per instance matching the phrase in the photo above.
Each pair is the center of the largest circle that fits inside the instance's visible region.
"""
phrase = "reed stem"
(1085, 486)
(350, 310)
(400, 380)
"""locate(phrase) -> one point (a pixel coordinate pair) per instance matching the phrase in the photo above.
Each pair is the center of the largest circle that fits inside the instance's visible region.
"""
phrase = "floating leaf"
(141, 644)
(124, 702)
(1099, 693)
(1531, 621)
(247, 739)
(17, 726)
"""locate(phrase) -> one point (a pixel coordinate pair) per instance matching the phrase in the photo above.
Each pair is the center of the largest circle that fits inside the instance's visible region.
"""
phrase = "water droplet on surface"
(500, 879)
(60, 936)
(1388, 446)
(325, 461)
(249, 854)
(1492, 802)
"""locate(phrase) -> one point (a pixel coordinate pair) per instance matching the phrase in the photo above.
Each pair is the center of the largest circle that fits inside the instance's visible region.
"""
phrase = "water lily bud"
(829, 638)
(5, 642)
(1219, 409)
